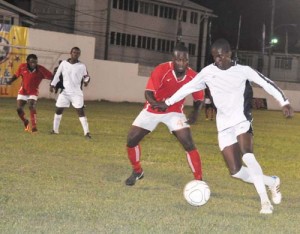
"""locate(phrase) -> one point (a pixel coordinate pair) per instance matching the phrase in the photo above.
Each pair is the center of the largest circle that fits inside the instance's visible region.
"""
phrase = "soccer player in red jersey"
(32, 74)
(164, 81)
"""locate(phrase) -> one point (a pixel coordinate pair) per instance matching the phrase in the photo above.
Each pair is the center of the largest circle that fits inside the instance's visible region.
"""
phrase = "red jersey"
(32, 79)
(164, 83)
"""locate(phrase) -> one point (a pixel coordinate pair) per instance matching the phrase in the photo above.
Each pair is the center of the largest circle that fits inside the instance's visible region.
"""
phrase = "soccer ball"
(196, 192)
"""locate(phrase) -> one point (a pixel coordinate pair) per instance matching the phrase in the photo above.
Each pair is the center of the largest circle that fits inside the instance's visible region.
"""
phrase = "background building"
(136, 31)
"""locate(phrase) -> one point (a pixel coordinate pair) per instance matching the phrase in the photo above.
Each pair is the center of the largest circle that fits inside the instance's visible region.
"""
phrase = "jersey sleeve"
(19, 71)
(154, 79)
(55, 79)
(268, 85)
(45, 72)
(193, 86)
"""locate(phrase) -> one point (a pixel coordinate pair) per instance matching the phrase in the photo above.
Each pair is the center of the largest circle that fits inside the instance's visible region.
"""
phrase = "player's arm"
(193, 116)
(55, 79)
(271, 88)
(12, 79)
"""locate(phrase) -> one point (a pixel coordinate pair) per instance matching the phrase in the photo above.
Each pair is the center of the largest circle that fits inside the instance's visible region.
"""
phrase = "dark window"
(184, 15)
(112, 37)
(115, 4)
(121, 4)
(133, 40)
(152, 43)
(123, 40)
(128, 40)
(118, 40)
(139, 44)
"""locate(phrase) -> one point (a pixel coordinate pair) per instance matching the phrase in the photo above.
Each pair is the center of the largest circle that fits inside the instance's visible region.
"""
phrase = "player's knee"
(19, 110)
(189, 146)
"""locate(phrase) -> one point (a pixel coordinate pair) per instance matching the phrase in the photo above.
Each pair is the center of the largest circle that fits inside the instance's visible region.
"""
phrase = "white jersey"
(231, 91)
(73, 75)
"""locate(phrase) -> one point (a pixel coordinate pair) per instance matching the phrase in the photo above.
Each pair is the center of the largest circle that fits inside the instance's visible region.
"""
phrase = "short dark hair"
(31, 56)
(180, 47)
(221, 44)
(75, 48)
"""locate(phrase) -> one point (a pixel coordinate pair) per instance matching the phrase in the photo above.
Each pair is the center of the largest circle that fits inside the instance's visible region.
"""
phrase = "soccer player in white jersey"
(230, 88)
(74, 75)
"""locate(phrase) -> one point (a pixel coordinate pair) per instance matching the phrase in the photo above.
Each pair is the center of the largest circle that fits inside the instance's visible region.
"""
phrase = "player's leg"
(143, 124)
(78, 103)
(61, 103)
(245, 141)
(84, 122)
(33, 114)
(21, 102)
(184, 136)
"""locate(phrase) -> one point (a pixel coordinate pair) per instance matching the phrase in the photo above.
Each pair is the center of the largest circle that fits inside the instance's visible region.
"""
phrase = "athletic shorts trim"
(228, 136)
(173, 120)
(26, 97)
(64, 100)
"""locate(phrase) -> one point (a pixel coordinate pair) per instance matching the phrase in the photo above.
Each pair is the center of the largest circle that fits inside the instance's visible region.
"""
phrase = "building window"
(112, 38)
(194, 18)
(283, 63)
(184, 16)
(246, 60)
(192, 49)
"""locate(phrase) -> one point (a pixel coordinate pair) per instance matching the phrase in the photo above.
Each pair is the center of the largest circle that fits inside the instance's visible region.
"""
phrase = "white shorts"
(174, 121)
(26, 97)
(64, 100)
(228, 136)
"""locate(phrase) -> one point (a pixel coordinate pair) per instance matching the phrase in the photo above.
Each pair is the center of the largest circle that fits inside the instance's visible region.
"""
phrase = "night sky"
(255, 13)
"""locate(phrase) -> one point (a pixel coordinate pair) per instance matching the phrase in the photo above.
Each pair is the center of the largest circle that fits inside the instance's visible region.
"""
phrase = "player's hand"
(288, 111)
(161, 106)
(51, 88)
(192, 118)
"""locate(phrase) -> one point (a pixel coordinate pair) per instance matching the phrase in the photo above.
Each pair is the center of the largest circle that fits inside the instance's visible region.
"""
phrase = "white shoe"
(275, 191)
(266, 208)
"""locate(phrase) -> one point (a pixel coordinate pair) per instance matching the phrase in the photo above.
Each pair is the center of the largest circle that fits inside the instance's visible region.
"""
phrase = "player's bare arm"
(192, 118)
(11, 80)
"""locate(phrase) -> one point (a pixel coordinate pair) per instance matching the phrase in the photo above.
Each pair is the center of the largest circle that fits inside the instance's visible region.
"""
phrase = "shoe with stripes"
(134, 177)
(275, 191)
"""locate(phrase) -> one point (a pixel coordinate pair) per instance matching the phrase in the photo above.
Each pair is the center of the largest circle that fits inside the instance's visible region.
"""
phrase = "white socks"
(83, 121)
(56, 123)
(255, 176)
(244, 175)
(85, 125)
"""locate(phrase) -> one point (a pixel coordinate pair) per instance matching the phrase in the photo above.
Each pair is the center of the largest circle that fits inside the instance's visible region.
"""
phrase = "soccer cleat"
(34, 130)
(266, 208)
(53, 132)
(88, 136)
(134, 177)
(26, 124)
(275, 191)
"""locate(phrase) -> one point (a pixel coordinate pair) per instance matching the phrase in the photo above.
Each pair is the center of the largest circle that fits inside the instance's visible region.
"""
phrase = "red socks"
(134, 155)
(193, 157)
(194, 161)
(33, 118)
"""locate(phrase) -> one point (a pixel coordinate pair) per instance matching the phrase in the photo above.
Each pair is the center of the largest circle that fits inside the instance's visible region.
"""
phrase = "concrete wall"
(111, 81)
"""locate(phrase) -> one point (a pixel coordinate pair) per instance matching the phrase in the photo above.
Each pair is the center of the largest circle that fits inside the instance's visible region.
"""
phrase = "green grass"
(67, 184)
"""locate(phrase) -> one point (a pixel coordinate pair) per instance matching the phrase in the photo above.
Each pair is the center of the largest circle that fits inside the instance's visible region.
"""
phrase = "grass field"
(67, 184)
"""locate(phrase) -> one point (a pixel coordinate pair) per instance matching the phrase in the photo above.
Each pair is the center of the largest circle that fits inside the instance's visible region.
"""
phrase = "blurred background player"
(32, 74)
(74, 75)
(60, 85)
(165, 80)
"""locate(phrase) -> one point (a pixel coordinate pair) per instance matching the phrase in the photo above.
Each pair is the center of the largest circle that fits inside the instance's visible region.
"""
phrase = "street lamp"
(286, 26)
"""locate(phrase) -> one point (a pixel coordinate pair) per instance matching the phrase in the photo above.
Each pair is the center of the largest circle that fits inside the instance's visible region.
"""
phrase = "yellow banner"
(13, 41)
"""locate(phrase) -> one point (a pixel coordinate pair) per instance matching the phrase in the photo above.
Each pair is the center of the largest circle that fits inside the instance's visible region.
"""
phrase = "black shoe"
(88, 136)
(134, 177)
(33, 130)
